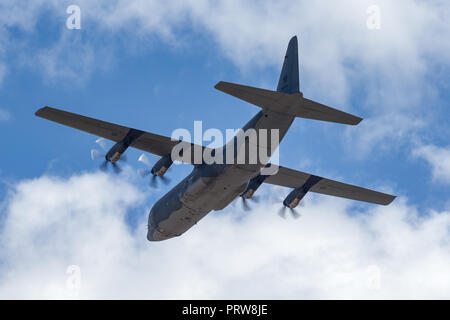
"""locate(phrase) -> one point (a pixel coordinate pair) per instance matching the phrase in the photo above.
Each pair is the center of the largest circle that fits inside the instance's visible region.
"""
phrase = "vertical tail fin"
(288, 100)
(289, 80)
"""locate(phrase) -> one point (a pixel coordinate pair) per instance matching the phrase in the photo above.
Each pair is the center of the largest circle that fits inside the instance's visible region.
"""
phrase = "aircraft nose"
(154, 234)
(157, 216)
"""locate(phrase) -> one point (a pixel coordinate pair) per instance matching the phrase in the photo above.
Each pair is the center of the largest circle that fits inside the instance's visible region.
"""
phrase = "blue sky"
(153, 68)
(159, 87)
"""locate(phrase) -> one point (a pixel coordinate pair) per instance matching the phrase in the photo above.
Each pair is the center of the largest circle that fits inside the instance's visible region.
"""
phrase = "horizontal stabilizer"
(291, 104)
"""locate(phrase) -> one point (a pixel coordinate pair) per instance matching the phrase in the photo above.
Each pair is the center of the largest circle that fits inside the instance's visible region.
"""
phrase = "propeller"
(145, 172)
(102, 143)
(282, 212)
(105, 164)
(245, 202)
(95, 154)
(98, 154)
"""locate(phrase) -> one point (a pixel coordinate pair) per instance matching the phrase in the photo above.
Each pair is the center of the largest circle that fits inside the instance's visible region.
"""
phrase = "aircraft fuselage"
(211, 186)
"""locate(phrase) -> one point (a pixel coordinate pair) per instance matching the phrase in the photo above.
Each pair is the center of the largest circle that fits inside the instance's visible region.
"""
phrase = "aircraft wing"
(293, 179)
(149, 142)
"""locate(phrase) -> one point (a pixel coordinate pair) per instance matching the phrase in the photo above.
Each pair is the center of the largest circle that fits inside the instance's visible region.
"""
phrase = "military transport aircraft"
(213, 186)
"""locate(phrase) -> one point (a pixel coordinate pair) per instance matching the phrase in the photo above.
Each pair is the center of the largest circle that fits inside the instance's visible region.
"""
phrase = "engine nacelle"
(296, 195)
(294, 198)
(162, 165)
(116, 151)
(120, 147)
(252, 186)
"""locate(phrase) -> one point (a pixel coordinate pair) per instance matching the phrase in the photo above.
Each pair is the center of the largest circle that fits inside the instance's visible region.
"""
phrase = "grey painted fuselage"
(214, 186)
(210, 186)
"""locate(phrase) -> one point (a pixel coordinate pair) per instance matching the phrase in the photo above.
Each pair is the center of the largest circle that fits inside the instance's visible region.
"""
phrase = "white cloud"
(70, 59)
(332, 251)
(439, 160)
(380, 131)
(393, 68)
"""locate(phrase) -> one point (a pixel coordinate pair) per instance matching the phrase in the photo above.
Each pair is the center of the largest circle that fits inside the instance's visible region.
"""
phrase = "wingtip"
(358, 121)
(392, 198)
(40, 111)
(353, 121)
(220, 85)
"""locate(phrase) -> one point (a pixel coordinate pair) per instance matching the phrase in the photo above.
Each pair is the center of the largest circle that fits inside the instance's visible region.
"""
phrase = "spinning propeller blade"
(145, 172)
(102, 143)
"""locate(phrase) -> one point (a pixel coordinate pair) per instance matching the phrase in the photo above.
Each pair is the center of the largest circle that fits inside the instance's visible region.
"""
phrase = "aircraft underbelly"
(203, 196)
(196, 196)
